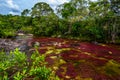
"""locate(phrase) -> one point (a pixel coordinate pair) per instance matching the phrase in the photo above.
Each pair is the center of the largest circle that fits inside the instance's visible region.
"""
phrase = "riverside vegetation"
(18, 66)
(79, 19)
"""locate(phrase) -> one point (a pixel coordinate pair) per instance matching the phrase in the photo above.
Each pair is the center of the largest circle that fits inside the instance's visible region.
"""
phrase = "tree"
(105, 15)
(73, 11)
(25, 12)
(26, 20)
(115, 6)
(46, 25)
(65, 10)
(44, 20)
(41, 9)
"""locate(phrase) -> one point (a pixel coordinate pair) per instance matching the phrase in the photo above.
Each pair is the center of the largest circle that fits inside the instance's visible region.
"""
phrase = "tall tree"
(73, 11)
(115, 6)
(44, 19)
(105, 13)
(41, 9)
(25, 12)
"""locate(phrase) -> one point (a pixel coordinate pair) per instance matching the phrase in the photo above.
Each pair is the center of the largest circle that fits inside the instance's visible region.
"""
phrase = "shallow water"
(75, 60)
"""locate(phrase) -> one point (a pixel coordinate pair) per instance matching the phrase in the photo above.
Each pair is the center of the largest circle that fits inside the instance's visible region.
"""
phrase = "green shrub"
(7, 33)
(15, 66)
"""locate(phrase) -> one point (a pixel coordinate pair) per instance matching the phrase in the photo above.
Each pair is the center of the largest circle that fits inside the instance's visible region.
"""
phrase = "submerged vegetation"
(61, 59)
(72, 59)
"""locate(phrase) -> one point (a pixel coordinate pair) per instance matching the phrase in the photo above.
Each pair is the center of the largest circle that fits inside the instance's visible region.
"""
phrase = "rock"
(37, 44)
(59, 36)
(8, 45)
(20, 34)
(95, 42)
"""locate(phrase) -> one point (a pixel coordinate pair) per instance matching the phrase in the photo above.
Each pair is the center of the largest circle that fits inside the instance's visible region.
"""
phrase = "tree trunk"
(70, 29)
(113, 37)
(114, 32)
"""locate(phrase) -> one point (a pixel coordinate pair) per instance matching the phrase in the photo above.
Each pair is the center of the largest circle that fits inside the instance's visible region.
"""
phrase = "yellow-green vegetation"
(27, 29)
(8, 33)
(57, 51)
(17, 66)
(112, 68)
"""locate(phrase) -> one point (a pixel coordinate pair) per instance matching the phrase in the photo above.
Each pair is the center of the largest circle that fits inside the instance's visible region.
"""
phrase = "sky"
(15, 7)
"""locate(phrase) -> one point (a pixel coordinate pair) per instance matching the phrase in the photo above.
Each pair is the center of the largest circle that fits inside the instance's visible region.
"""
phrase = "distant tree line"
(80, 19)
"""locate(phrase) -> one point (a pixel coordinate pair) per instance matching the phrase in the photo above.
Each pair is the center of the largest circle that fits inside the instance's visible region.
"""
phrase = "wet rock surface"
(20, 42)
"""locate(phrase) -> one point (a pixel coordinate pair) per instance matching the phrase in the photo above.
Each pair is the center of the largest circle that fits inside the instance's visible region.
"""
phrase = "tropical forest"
(78, 40)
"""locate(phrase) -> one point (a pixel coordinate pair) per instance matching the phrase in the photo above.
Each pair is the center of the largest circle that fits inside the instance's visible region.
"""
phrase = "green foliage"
(10, 24)
(25, 12)
(19, 57)
(78, 19)
(41, 9)
(11, 62)
(65, 10)
(27, 29)
(45, 26)
(40, 73)
(8, 33)
(20, 75)
(15, 66)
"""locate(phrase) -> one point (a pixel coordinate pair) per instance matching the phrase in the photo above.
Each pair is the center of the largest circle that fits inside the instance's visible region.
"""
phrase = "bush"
(16, 66)
(6, 33)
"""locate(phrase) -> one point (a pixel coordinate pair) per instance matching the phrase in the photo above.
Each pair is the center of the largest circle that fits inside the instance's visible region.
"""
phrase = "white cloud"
(56, 1)
(12, 5)
(14, 8)
(13, 13)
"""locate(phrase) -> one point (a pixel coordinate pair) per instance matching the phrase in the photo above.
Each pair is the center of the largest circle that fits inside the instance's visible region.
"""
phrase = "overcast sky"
(17, 6)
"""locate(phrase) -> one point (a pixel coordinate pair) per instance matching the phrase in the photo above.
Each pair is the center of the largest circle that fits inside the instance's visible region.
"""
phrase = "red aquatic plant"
(102, 77)
(81, 60)
(42, 51)
(50, 61)
(67, 71)
(74, 55)
(71, 71)
(85, 70)
(97, 61)
(59, 73)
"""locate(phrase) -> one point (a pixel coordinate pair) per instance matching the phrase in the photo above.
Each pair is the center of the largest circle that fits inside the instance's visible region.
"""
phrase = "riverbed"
(72, 59)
